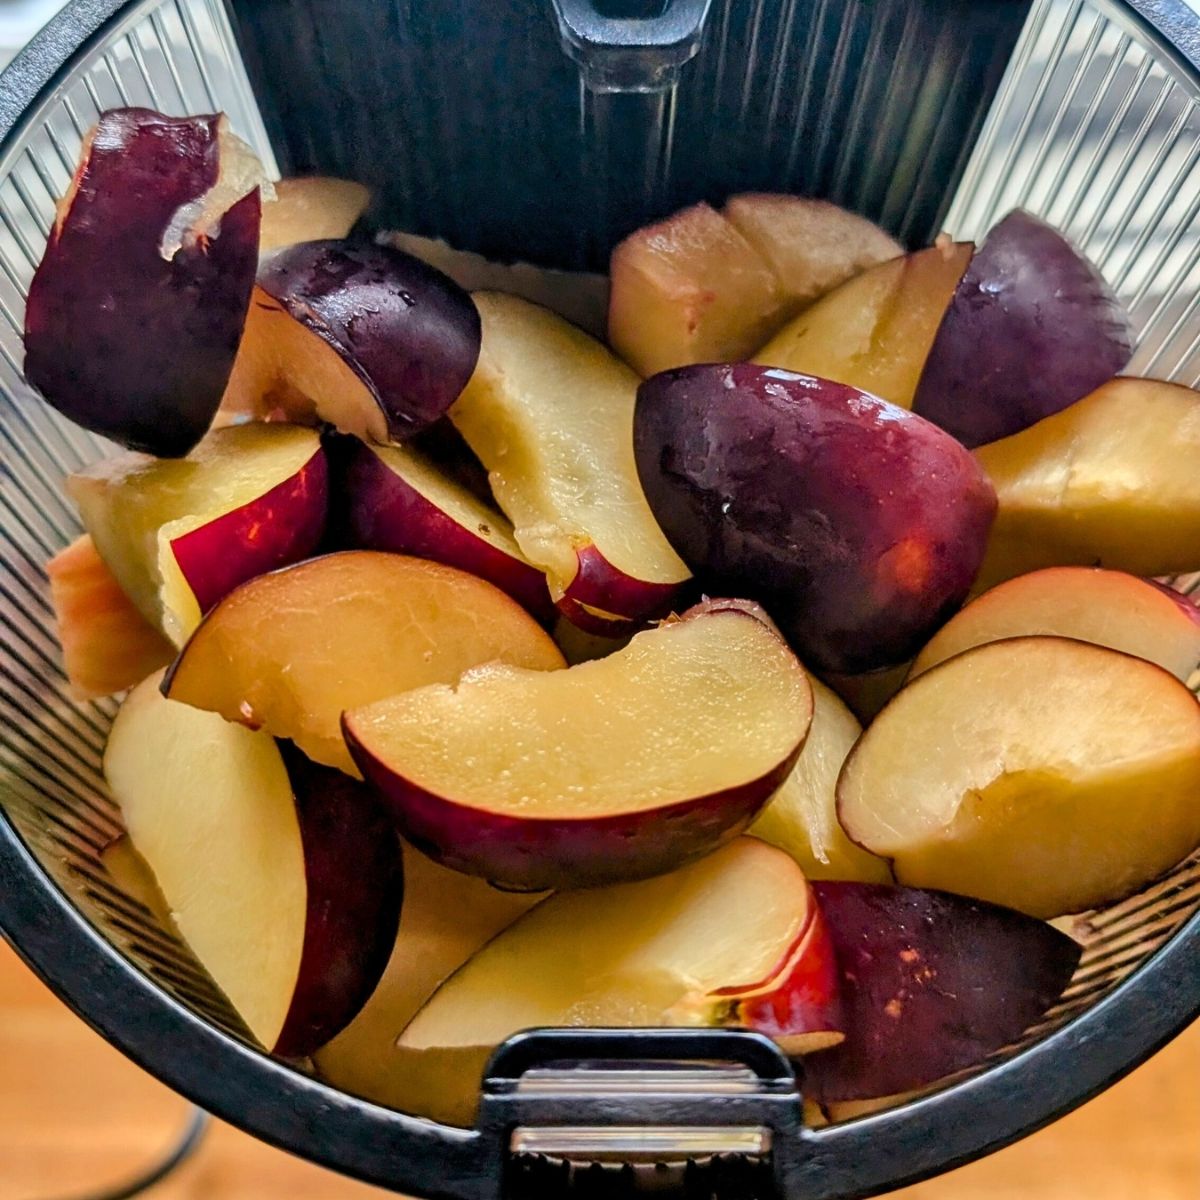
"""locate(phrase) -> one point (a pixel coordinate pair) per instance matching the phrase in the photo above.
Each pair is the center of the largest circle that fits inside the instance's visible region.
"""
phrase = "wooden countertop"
(75, 1115)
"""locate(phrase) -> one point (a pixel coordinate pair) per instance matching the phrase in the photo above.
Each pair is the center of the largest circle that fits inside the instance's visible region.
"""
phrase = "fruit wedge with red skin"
(549, 412)
(282, 876)
(309, 209)
(292, 650)
(801, 818)
(735, 938)
(180, 534)
(135, 311)
(1108, 608)
(690, 289)
(859, 525)
(611, 770)
(447, 917)
(1107, 482)
(394, 498)
(1045, 774)
(1032, 328)
(931, 983)
(107, 645)
(811, 245)
(875, 331)
(363, 337)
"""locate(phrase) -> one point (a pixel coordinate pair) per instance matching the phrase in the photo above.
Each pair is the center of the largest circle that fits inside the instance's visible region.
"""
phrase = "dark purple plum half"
(858, 525)
(410, 333)
(931, 983)
(1032, 328)
(123, 341)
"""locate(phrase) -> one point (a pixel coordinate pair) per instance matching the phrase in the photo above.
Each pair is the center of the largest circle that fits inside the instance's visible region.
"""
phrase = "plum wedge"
(1032, 327)
(859, 525)
(395, 498)
(549, 412)
(363, 337)
(735, 939)
(1072, 782)
(135, 311)
(930, 983)
(180, 534)
(608, 771)
(283, 877)
(1090, 604)
(875, 331)
(1107, 482)
(292, 650)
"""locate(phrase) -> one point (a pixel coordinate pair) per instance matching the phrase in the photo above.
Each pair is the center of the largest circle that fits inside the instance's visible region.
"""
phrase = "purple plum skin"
(1032, 328)
(117, 338)
(859, 526)
(410, 333)
(931, 983)
(355, 881)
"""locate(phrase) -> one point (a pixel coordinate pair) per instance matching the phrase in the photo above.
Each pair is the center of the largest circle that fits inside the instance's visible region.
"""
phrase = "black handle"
(616, 1111)
(630, 45)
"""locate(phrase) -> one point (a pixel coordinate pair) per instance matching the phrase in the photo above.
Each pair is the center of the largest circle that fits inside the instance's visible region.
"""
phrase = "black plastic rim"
(286, 1108)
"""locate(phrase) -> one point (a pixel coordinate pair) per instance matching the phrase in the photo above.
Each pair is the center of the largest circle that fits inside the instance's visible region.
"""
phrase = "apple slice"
(811, 245)
(801, 817)
(875, 331)
(366, 338)
(549, 412)
(735, 939)
(447, 917)
(1090, 604)
(134, 313)
(178, 535)
(107, 645)
(577, 296)
(1107, 482)
(283, 877)
(291, 651)
(611, 770)
(311, 209)
(689, 289)
(1032, 327)
(1045, 774)
(396, 499)
(931, 983)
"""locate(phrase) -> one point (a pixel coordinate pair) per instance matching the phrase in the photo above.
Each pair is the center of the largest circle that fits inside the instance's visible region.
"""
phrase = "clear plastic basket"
(1085, 113)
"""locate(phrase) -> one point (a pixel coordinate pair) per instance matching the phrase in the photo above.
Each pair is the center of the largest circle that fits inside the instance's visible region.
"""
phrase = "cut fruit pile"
(454, 596)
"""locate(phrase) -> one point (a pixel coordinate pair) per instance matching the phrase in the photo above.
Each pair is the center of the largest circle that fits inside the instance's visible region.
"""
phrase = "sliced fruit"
(875, 331)
(578, 296)
(134, 313)
(734, 939)
(931, 983)
(549, 412)
(1045, 774)
(1107, 608)
(311, 209)
(811, 245)
(366, 338)
(447, 917)
(858, 525)
(107, 645)
(397, 499)
(801, 817)
(1107, 482)
(293, 650)
(689, 289)
(1032, 327)
(283, 877)
(179, 535)
(611, 770)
